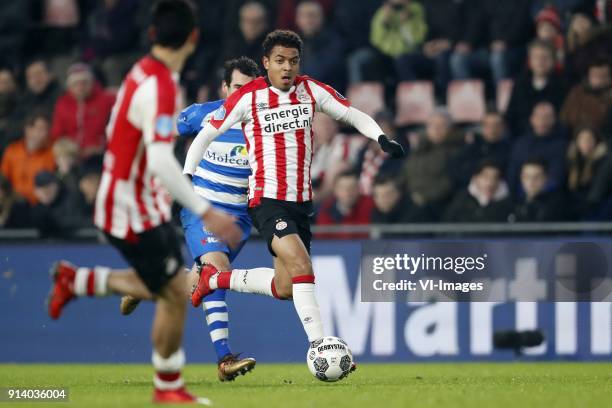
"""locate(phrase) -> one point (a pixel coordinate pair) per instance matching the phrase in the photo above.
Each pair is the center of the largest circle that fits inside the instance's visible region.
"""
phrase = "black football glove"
(391, 146)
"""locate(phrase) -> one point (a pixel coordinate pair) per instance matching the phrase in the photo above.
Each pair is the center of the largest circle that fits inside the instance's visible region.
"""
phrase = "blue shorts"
(200, 241)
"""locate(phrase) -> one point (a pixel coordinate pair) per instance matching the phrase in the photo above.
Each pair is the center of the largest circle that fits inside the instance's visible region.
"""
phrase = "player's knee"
(284, 291)
(175, 291)
(300, 266)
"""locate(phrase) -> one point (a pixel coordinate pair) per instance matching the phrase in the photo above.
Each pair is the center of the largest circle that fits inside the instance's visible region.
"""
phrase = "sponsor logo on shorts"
(171, 265)
(281, 225)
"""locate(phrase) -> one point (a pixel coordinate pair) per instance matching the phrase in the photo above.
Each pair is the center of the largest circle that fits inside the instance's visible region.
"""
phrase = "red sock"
(223, 280)
(168, 381)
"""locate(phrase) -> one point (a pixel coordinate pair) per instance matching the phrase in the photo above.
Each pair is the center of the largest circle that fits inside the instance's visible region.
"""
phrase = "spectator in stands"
(585, 157)
(486, 198)
(598, 202)
(548, 29)
(372, 161)
(113, 38)
(539, 203)
(427, 171)
(41, 93)
(397, 28)
(589, 102)
(13, 30)
(14, 210)
(495, 36)
(334, 153)
(66, 154)
(89, 181)
(24, 158)
(199, 75)
(580, 28)
(538, 83)
(564, 8)
(254, 25)
(491, 143)
(58, 28)
(9, 96)
(323, 50)
(352, 19)
(57, 214)
(579, 33)
(391, 205)
(285, 19)
(81, 114)
(444, 20)
(346, 207)
(544, 140)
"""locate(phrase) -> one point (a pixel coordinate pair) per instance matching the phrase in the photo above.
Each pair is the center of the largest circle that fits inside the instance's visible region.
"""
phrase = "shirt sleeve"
(163, 164)
(328, 100)
(199, 145)
(234, 110)
(153, 109)
(331, 102)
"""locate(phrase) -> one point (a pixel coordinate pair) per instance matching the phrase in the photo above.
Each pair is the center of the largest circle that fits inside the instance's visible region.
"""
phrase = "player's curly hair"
(284, 38)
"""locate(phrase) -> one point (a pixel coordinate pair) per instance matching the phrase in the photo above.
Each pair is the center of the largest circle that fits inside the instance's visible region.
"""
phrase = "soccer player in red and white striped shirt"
(276, 114)
(133, 207)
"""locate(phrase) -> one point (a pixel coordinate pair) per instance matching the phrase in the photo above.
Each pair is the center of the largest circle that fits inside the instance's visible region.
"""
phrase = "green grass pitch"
(472, 385)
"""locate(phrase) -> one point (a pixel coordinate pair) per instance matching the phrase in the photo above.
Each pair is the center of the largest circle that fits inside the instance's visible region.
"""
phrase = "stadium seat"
(504, 90)
(414, 102)
(368, 97)
(466, 100)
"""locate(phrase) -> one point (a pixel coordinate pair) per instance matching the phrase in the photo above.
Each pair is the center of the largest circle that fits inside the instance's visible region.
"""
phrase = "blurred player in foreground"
(276, 115)
(222, 178)
(132, 207)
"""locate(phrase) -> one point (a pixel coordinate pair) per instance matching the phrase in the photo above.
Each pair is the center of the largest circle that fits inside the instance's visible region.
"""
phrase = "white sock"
(168, 370)
(255, 280)
(91, 281)
(308, 310)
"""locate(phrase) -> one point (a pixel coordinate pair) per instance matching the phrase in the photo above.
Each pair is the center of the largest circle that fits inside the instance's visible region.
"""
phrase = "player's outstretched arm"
(335, 105)
(196, 151)
(161, 162)
(368, 127)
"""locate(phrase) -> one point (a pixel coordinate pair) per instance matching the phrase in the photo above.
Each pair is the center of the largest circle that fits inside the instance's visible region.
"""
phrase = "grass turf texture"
(470, 385)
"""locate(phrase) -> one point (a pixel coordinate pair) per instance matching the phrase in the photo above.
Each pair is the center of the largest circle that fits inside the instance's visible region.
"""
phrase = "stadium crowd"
(538, 149)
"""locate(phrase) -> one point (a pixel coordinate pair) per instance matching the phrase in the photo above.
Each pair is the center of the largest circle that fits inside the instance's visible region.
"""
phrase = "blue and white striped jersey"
(222, 175)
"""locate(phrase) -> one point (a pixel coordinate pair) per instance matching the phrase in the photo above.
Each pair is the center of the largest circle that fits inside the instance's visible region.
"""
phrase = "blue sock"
(217, 319)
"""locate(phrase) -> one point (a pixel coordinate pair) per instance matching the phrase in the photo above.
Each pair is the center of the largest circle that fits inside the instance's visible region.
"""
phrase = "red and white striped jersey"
(278, 130)
(130, 199)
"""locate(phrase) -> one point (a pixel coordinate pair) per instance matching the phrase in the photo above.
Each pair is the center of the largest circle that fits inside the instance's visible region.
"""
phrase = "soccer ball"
(329, 359)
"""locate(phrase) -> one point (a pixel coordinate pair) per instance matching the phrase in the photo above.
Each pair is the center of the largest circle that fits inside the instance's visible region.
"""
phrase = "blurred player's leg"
(71, 282)
(128, 304)
(167, 333)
